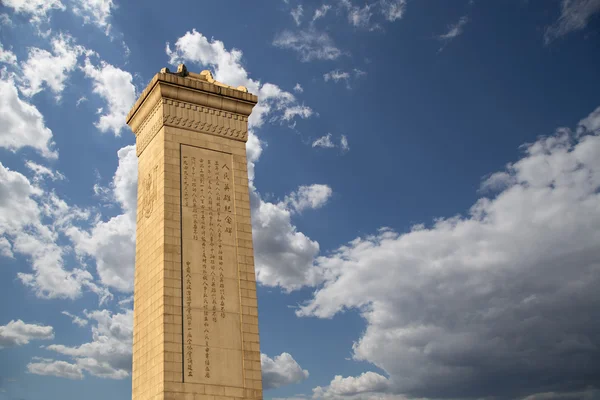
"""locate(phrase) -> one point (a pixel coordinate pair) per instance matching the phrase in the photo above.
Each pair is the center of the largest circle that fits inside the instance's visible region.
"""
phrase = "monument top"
(240, 101)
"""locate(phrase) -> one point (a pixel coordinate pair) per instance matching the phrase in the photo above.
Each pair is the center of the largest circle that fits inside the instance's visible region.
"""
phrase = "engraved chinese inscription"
(211, 304)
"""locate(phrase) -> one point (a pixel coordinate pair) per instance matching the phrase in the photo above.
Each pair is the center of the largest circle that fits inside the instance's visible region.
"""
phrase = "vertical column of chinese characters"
(227, 191)
(188, 269)
(213, 278)
(204, 268)
(220, 240)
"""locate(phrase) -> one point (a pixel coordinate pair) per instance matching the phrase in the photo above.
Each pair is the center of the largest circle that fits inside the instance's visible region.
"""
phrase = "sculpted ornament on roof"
(205, 76)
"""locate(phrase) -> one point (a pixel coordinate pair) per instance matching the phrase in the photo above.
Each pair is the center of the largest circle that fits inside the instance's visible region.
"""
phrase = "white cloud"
(51, 69)
(38, 9)
(591, 123)
(18, 333)
(343, 387)
(22, 123)
(444, 304)
(277, 242)
(392, 9)
(60, 369)
(309, 44)
(96, 12)
(312, 197)
(108, 355)
(7, 56)
(296, 13)
(280, 371)
(80, 100)
(454, 30)
(42, 172)
(112, 243)
(23, 206)
(75, 319)
(115, 87)
(337, 75)
(574, 16)
(357, 16)
(283, 256)
(195, 47)
(321, 12)
(298, 88)
(344, 143)
(5, 20)
(6, 248)
(324, 141)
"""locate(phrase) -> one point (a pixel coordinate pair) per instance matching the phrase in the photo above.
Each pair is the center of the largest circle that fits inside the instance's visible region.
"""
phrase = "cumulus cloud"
(341, 387)
(61, 369)
(96, 12)
(283, 256)
(38, 10)
(6, 248)
(298, 88)
(23, 207)
(22, 123)
(115, 87)
(591, 123)
(309, 44)
(112, 243)
(44, 68)
(311, 197)
(227, 64)
(280, 371)
(7, 56)
(19, 333)
(574, 16)
(466, 307)
(108, 355)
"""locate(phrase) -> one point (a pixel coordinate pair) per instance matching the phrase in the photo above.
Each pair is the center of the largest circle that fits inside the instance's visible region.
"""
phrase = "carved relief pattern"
(205, 119)
(149, 128)
(190, 116)
(149, 189)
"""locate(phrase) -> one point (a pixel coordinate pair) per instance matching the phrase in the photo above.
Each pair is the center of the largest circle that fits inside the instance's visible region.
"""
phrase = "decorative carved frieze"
(149, 128)
(205, 119)
(190, 116)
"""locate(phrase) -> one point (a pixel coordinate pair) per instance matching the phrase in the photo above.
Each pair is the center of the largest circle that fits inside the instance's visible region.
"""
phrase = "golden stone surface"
(195, 310)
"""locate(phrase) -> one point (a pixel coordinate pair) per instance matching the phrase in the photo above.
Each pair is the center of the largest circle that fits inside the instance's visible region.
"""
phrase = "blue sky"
(424, 181)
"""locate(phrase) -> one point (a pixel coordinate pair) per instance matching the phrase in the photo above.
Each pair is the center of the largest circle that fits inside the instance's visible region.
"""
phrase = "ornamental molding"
(180, 114)
(204, 119)
(148, 128)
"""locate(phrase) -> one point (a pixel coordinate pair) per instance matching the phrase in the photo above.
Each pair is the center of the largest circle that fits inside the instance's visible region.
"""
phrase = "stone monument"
(195, 332)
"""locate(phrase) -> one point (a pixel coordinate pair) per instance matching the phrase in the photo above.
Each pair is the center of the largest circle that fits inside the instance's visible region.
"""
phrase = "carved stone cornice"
(179, 114)
(190, 101)
(205, 119)
(149, 127)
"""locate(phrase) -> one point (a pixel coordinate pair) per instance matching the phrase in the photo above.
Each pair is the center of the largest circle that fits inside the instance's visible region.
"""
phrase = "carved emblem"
(149, 189)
